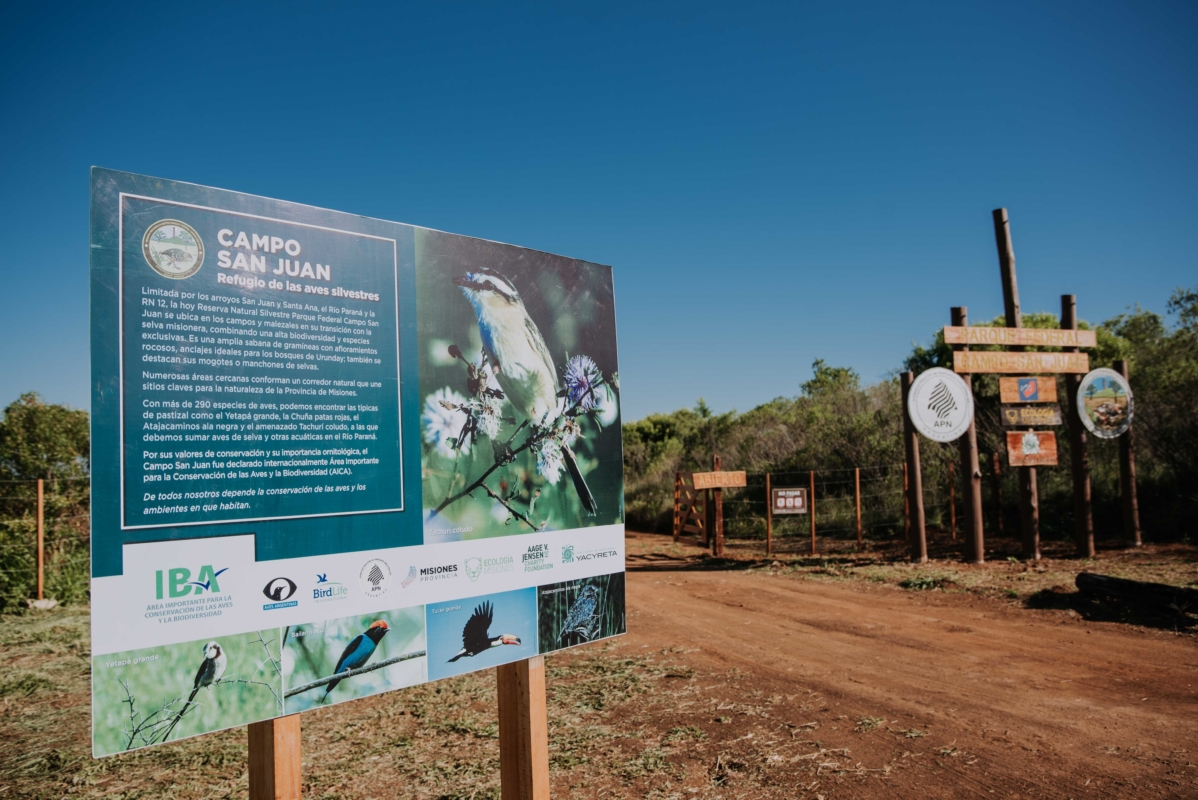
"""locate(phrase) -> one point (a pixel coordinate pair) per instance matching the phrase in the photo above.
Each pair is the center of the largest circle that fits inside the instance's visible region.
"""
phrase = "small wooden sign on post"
(1027, 416)
(990, 361)
(788, 501)
(720, 480)
(1032, 448)
(1034, 389)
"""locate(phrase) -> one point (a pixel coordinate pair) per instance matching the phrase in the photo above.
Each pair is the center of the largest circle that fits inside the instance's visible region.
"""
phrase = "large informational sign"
(1105, 404)
(940, 405)
(334, 456)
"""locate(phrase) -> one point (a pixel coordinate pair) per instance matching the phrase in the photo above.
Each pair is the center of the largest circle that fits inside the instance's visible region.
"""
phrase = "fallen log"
(1157, 594)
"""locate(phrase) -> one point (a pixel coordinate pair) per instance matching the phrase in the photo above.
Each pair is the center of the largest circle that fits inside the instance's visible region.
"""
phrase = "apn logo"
(178, 582)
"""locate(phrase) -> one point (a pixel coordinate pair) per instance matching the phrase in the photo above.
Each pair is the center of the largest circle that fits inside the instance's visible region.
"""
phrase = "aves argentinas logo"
(375, 577)
(279, 592)
(173, 249)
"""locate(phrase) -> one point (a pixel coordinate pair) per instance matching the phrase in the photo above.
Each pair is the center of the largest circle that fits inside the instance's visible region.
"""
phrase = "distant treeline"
(835, 423)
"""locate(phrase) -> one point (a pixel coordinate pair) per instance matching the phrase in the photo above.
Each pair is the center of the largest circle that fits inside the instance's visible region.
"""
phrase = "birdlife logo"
(375, 577)
(280, 591)
(173, 249)
(474, 568)
(536, 557)
(178, 582)
(568, 554)
(327, 591)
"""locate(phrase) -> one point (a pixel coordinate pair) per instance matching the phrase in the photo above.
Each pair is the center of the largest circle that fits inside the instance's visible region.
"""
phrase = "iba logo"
(173, 249)
(178, 582)
(280, 591)
(374, 577)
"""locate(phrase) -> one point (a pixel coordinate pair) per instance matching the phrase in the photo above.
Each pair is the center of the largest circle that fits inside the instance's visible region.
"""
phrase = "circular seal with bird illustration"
(173, 249)
(940, 405)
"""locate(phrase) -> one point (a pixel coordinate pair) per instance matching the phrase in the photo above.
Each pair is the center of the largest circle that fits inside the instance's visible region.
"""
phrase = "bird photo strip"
(334, 456)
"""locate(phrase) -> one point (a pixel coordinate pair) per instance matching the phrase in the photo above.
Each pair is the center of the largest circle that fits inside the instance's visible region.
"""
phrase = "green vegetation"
(835, 423)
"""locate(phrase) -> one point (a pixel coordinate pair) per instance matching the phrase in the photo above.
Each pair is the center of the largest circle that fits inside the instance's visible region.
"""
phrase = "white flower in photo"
(582, 380)
(443, 421)
(549, 459)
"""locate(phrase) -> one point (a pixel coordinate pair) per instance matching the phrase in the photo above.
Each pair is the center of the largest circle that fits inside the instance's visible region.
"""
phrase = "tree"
(43, 440)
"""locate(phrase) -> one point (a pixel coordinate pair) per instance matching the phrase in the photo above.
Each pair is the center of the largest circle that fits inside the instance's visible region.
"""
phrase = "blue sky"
(772, 183)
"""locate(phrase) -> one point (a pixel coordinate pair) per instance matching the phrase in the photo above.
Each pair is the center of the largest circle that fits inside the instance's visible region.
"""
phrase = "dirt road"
(931, 694)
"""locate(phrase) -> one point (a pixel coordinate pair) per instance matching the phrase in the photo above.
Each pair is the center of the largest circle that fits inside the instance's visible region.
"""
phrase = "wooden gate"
(689, 508)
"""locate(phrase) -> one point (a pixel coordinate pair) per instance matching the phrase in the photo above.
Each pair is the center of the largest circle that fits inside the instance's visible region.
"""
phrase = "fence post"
(769, 517)
(857, 495)
(275, 771)
(41, 538)
(811, 509)
(952, 503)
(717, 547)
(677, 505)
(1127, 476)
(1079, 456)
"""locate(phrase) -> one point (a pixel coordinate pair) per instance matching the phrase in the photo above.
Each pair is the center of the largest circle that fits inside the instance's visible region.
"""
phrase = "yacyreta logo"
(280, 591)
(177, 582)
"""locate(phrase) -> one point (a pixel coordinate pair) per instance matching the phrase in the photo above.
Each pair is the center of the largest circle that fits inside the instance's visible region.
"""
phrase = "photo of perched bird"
(584, 615)
(520, 359)
(211, 668)
(476, 636)
(358, 651)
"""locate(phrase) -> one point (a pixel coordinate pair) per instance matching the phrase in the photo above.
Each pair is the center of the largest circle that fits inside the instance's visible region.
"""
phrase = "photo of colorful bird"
(476, 636)
(521, 360)
(584, 615)
(358, 651)
(211, 668)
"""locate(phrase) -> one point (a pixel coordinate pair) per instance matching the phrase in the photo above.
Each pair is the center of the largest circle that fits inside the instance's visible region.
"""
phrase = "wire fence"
(44, 530)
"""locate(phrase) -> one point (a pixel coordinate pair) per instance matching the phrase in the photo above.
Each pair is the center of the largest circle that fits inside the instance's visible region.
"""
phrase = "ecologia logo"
(474, 568)
(280, 591)
(375, 577)
(178, 582)
(438, 573)
(536, 557)
(327, 591)
(568, 554)
(173, 249)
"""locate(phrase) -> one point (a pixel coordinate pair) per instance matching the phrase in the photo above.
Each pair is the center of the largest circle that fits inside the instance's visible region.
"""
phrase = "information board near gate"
(320, 471)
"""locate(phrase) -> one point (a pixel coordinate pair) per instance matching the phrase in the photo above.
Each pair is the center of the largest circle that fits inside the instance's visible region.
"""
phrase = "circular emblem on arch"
(1104, 403)
(940, 405)
(173, 249)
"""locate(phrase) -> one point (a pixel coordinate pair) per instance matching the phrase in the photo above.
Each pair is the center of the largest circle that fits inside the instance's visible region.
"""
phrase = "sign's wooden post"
(717, 548)
(523, 730)
(41, 538)
(918, 535)
(811, 509)
(1079, 455)
(1127, 475)
(906, 500)
(952, 503)
(275, 772)
(857, 499)
(769, 517)
(677, 505)
(997, 461)
(1029, 503)
(971, 469)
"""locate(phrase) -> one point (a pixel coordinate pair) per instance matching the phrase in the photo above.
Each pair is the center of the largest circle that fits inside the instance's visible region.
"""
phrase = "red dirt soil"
(933, 694)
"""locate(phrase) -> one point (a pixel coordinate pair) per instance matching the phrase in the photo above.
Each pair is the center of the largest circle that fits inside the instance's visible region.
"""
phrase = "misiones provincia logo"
(374, 577)
(173, 249)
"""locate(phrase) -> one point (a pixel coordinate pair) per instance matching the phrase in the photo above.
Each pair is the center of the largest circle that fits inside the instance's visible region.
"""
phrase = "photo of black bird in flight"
(476, 636)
